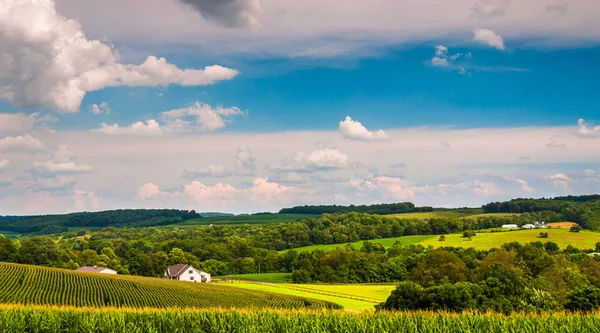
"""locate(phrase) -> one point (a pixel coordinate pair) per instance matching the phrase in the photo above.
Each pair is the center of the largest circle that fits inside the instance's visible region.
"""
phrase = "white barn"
(528, 226)
(188, 273)
(95, 269)
(510, 226)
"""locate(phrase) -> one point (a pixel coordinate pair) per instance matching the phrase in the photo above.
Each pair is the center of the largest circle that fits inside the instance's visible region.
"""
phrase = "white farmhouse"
(528, 226)
(95, 269)
(188, 273)
(510, 226)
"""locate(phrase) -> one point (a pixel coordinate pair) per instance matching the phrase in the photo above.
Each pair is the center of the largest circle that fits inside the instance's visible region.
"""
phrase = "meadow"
(23, 284)
(387, 242)
(237, 220)
(109, 320)
(487, 240)
(263, 277)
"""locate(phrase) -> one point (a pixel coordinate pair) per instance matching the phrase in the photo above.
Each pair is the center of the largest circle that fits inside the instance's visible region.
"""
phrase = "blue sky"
(477, 102)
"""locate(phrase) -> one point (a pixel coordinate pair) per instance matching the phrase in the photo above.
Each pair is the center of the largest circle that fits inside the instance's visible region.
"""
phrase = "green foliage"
(46, 286)
(469, 234)
(543, 235)
(575, 228)
(395, 208)
(442, 238)
(584, 299)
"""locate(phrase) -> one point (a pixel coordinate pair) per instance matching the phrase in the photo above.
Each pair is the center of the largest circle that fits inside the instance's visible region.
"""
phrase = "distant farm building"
(188, 273)
(528, 226)
(510, 226)
(540, 224)
(96, 269)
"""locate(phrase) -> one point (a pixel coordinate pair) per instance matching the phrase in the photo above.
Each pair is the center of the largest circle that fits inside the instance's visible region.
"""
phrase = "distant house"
(188, 273)
(528, 226)
(540, 224)
(96, 269)
(510, 226)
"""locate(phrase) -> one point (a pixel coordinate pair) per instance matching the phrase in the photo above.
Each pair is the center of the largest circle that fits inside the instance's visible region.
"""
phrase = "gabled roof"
(177, 270)
(95, 269)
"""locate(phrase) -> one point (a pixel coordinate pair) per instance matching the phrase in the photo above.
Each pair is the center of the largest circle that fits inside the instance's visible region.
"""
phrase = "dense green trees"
(395, 208)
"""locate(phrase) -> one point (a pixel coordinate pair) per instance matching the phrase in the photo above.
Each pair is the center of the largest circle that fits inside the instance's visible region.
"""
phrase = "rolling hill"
(23, 284)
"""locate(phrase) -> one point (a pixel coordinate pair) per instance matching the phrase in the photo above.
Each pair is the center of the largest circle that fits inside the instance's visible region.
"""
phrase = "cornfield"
(18, 318)
(22, 284)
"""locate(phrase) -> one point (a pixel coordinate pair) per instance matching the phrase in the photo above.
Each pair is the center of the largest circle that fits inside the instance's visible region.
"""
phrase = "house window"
(191, 271)
(191, 278)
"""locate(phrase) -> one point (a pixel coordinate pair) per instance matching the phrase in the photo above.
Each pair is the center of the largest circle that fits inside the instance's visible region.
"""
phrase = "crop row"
(71, 320)
(23, 284)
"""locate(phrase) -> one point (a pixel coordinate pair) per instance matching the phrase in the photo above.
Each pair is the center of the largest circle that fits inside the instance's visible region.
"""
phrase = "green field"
(377, 293)
(487, 240)
(75, 320)
(264, 277)
(237, 220)
(347, 302)
(23, 284)
(471, 213)
(10, 234)
(387, 242)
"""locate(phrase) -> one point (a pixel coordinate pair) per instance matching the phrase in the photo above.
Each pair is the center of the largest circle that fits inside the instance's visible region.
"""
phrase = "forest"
(394, 208)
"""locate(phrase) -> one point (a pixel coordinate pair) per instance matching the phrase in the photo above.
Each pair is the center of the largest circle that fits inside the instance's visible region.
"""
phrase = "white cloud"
(207, 119)
(4, 163)
(490, 8)
(441, 51)
(61, 163)
(150, 128)
(245, 163)
(321, 159)
(265, 192)
(18, 123)
(587, 130)
(439, 62)
(352, 129)
(86, 201)
(559, 180)
(102, 108)
(52, 64)
(489, 38)
(21, 144)
(60, 183)
(210, 171)
(591, 173)
(477, 187)
(554, 143)
(523, 185)
(229, 13)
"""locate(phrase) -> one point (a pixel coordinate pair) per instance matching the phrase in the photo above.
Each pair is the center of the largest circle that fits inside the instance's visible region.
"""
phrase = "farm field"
(487, 240)
(378, 292)
(264, 277)
(236, 220)
(348, 302)
(565, 225)
(23, 284)
(387, 242)
(109, 320)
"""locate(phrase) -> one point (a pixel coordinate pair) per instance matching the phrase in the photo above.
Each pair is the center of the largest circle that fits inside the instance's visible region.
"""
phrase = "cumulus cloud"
(228, 13)
(245, 163)
(490, 8)
(476, 187)
(52, 64)
(587, 130)
(488, 37)
(354, 130)
(150, 128)
(210, 171)
(101, 108)
(4, 164)
(523, 185)
(21, 144)
(18, 123)
(61, 163)
(265, 192)
(86, 201)
(441, 56)
(321, 159)
(559, 180)
(554, 143)
(207, 118)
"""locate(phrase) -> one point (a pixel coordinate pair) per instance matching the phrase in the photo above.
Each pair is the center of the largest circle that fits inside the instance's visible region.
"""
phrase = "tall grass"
(16, 318)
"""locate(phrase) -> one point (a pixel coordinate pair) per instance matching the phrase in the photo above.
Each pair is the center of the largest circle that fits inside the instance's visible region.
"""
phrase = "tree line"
(50, 224)
(393, 208)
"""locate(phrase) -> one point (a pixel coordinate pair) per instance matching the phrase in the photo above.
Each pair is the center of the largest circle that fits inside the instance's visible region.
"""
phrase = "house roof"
(95, 269)
(177, 270)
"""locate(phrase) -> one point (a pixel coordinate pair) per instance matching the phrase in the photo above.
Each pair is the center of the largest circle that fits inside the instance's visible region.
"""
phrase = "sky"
(247, 106)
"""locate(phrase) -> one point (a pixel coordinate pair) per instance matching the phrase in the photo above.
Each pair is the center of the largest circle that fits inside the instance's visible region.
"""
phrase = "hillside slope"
(22, 284)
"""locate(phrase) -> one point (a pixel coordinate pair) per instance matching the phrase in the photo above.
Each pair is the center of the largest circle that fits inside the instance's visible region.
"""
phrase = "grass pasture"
(263, 277)
(387, 242)
(109, 320)
(237, 220)
(23, 284)
(487, 240)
